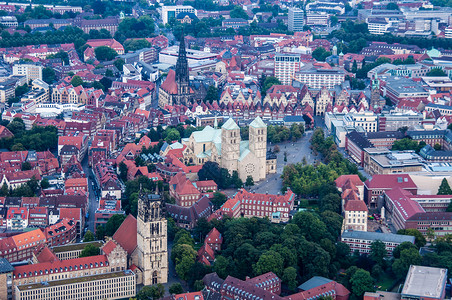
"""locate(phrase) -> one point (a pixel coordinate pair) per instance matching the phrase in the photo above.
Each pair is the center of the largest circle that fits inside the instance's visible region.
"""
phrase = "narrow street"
(92, 202)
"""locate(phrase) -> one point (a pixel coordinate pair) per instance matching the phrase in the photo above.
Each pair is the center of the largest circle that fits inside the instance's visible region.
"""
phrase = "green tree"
(249, 181)
(268, 82)
(212, 94)
(378, 252)
(48, 75)
(401, 247)
(238, 12)
(392, 6)
(436, 72)
(76, 81)
(90, 250)
(45, 183)
(119, 63)
(221, 266)
(100, 232)
(153, 292)
(269, 261)
(88, 237)
(123, 171)
(176, 288)
(172, 135)
(331, 201)
(113, 224)
(320, 54)
(444, 188)
(361, 282)
(290, 278)
(419, 238)
(199, 285)
(407, 258)
(183, 267)
(311, 226)
(104, 53)
(218, 199)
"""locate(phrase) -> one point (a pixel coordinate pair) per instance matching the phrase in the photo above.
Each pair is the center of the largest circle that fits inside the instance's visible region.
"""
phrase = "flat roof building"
(116, 285)
(362, 240)
(425, 283)
(170, 54)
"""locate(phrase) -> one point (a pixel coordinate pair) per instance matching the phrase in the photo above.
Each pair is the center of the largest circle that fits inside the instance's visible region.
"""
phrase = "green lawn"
(386, 281)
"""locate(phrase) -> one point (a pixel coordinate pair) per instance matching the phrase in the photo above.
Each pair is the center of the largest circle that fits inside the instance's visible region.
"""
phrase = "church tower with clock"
(152, 239)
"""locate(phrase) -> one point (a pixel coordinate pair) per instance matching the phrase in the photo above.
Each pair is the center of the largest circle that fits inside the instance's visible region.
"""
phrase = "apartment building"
(31, 71)
(286, 65)
(317, 78)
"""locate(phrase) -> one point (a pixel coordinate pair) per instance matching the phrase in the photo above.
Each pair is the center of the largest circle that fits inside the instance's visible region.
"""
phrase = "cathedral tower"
(258, 144)
(182, 76)
(152, 239)
(230, 145)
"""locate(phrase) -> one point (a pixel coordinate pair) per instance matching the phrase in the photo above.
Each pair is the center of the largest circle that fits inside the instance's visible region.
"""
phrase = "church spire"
(182, 63)
(182, 76)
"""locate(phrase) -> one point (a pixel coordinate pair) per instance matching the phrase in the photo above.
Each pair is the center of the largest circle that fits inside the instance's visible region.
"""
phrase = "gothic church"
(145, 240)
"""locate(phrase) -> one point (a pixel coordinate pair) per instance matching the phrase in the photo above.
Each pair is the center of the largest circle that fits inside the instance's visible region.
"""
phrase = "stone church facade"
(142, 241)
(225, 146)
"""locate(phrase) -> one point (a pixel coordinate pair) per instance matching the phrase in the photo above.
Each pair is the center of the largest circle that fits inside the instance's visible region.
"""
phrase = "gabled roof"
(214, 237)
(126, 235)
(355, 205)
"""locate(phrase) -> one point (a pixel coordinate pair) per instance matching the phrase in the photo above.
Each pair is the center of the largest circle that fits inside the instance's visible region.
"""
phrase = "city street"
(92, 203)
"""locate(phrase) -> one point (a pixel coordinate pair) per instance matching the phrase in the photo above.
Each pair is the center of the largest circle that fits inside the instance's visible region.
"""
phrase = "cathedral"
(144, 240)
(225, 146)
(175, 90)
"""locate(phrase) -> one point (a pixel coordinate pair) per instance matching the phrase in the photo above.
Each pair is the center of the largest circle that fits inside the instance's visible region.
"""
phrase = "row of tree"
(314, 180)
(37, 138)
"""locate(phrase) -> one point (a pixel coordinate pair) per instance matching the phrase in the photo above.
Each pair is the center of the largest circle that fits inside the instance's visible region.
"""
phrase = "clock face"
(249, 168)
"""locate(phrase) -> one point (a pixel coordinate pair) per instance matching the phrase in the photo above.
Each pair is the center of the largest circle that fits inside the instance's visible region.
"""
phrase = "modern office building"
(286, 64)
(116, 285)
(169, 12)
(296, 19)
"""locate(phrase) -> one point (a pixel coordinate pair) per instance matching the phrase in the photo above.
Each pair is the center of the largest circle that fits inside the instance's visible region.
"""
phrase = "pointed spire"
(215, 124)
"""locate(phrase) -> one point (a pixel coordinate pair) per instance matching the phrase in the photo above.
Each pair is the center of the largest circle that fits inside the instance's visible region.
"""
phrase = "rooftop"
(374, 236)
(425, 282)
(75, 280)
(74, 247)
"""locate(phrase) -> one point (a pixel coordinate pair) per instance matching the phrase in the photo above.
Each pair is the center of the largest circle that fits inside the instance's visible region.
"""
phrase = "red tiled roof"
(214, 237)
(61, 266)
(321, 290)
(341, 180)
(355, 205)
(402, 203)
(170, 85)
(391, 181)
(70, 213)
(108, 247)
(189, 296)
(126, 235)
(46, 255)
